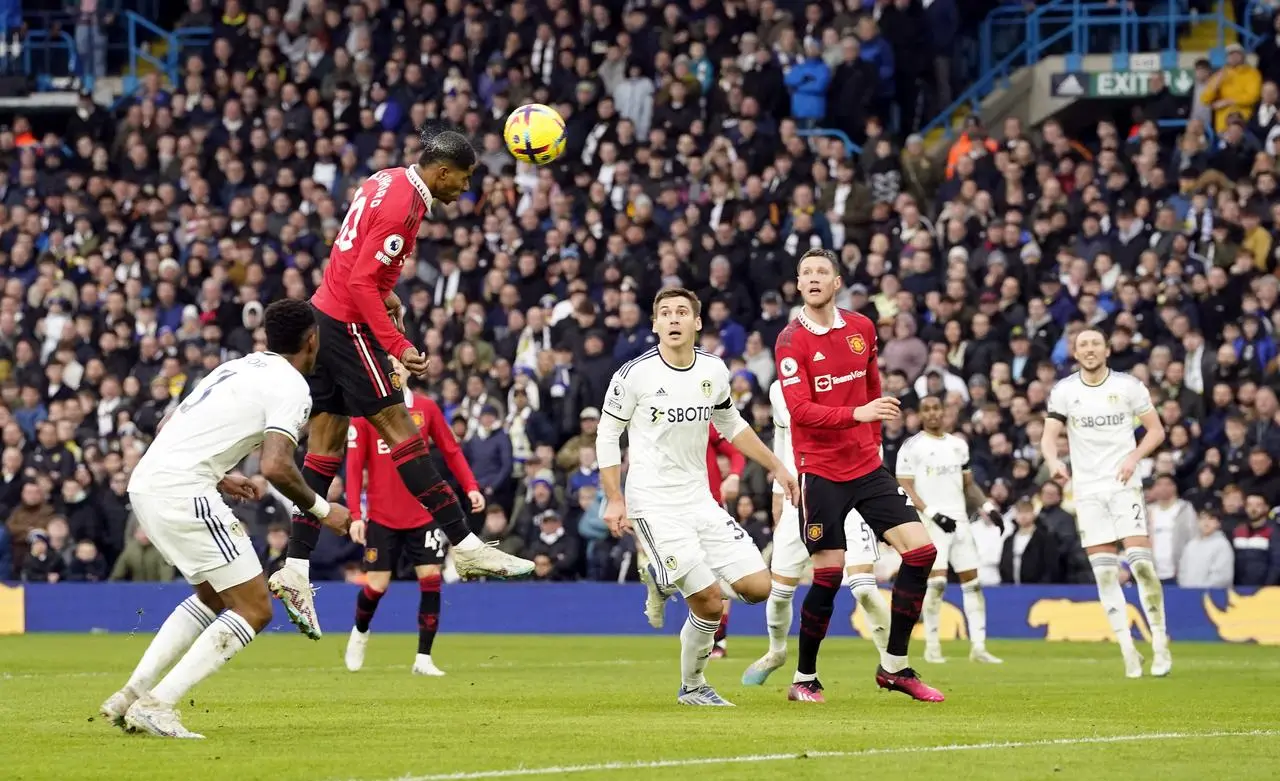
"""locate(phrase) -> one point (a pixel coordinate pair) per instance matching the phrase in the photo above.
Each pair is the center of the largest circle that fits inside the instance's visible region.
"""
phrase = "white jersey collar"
(820, 330)
(411, 172)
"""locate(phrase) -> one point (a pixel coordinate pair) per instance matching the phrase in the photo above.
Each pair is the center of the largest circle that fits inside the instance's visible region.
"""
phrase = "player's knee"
(378, 581)
(394, 424)
(922, 557)
(428, 572)
(707, 604)
(754, 588)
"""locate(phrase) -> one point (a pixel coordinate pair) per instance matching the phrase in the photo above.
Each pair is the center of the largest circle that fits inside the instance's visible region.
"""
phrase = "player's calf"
(428, 619)
(318, 471)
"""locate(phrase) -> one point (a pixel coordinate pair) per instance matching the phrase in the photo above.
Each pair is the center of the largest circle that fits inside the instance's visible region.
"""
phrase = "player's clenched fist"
(338, 520)
(615, 515)
(883, 408)
(415, 362)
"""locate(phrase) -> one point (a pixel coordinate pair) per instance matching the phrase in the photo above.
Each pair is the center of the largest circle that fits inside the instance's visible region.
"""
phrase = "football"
(535, 134)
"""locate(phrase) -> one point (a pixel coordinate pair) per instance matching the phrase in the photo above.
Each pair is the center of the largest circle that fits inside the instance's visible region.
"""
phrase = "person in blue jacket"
(807, 82)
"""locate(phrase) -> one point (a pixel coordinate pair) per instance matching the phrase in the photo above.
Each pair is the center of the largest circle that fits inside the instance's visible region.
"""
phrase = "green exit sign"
(1119, 84)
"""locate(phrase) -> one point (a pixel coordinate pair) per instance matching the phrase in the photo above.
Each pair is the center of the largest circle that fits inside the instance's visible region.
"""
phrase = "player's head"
(446, 164)
(677, 317)
(818, 277)
(932, 413)
(1092, 349)
(291, 332)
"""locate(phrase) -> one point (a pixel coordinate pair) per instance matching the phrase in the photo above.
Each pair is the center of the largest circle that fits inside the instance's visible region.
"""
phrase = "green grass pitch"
(604, 708)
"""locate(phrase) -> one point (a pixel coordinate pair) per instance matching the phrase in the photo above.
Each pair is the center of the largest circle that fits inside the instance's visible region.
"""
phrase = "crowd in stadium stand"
(140, 246)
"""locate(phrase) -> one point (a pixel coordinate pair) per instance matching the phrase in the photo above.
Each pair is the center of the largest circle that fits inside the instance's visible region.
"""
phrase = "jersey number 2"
(222, 377)
(347, 235)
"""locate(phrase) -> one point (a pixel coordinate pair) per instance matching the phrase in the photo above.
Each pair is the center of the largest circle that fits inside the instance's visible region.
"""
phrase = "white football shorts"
(791, 557)
(957, 548)
(1107, 518)
(200, 536)
(693, 546)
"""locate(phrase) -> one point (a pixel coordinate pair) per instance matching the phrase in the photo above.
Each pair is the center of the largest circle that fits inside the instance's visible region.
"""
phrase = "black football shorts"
(353, 375)
(824, 505)
(384, 546)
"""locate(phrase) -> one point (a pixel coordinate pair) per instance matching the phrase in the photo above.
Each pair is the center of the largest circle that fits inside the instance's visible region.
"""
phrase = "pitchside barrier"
(1055, 613)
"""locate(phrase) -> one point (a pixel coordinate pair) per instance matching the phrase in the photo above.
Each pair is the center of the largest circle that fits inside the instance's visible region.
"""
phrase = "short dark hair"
(678, 292)
(288, 322)
(819, 252)
(446, 146)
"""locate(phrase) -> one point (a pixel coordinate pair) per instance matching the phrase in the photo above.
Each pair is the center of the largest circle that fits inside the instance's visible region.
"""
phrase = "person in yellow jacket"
(1234, 89)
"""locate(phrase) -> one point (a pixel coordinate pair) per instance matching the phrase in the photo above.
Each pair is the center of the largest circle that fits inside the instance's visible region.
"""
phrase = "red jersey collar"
(820, 330)
(412, 174)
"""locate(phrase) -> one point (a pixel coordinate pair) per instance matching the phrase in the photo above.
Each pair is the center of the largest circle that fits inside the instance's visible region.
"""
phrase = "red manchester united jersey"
(388, 501)
(376, 237)
(718, 446)
(825, 374)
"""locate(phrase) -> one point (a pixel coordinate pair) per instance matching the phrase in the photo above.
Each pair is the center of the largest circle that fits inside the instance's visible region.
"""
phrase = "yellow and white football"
(535, 134)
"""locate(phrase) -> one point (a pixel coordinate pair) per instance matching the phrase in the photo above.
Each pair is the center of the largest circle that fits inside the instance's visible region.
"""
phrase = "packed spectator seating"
(140, 244)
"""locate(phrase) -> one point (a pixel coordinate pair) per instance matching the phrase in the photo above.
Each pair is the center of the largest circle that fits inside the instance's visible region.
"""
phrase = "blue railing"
(142, 31)
(1011, 38)
(850, 148)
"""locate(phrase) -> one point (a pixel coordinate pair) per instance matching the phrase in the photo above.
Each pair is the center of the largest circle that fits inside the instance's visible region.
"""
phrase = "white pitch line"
(870, 752)
(337, 667)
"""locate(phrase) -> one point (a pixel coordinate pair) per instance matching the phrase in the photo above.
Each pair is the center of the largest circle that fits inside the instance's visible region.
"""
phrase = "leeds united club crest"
(706, 388)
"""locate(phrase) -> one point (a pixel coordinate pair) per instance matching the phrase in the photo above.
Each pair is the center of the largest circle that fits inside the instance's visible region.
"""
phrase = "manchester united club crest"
(706, 388)
(813, 531)
(418, 419)
(857, 344)
(395, 381)
(370, 555)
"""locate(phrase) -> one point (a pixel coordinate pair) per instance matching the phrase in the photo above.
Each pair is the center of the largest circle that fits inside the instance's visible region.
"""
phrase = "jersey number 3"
(347, 235)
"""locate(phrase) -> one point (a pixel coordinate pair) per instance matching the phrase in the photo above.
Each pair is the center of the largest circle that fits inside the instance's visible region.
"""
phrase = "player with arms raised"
(1097, 406)
(830, 379)
(790, 557)
(664, 400)
(358, 317)
(259, 400)
(394, 522)
(933, 468)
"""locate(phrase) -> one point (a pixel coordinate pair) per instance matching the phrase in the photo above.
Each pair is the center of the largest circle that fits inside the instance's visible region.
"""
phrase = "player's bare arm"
(281, 470)
(395, 310)
(750, 445)
(977, 502)
(1049, 449)
(239, 487)
(615, 506)
(1151, 439)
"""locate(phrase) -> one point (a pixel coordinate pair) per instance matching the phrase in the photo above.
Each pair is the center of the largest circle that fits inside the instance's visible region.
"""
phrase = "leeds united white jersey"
(937, 464)
(224, 419)
(1100, 421)
(781, 432)
(668, 412)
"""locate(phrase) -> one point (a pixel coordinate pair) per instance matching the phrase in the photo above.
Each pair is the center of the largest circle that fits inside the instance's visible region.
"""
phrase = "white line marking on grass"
(870, 752)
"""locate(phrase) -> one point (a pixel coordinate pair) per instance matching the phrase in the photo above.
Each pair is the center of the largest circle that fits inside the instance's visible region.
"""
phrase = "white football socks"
(697, 636)
(300, 566)
(867, 593)
(935, 588)
(1106, 570)
(219, 642)
(471, 542)
(1150, 592)
(778, 614)
(975, 612)
(177, 633)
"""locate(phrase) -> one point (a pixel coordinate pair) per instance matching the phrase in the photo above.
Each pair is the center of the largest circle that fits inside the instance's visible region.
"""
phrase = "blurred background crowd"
(139, 246)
